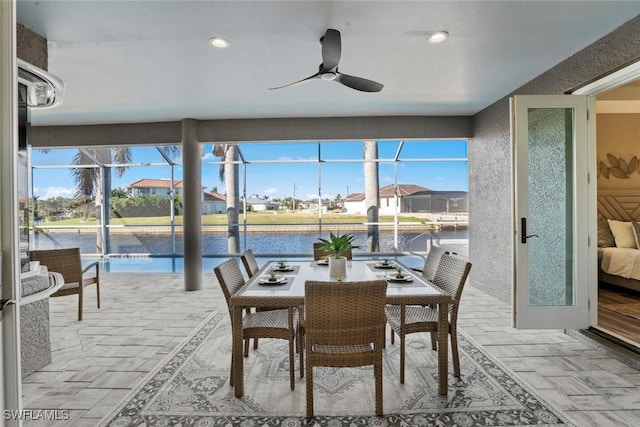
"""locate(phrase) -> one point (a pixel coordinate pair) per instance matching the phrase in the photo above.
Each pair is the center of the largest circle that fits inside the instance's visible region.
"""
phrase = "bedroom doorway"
(618, 196)
(617, 155)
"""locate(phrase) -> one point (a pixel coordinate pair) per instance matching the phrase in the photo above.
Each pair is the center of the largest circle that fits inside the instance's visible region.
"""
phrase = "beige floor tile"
(614, 366)
(535, 380)
(571, 386)
(106, 405)
(74, 396)
(60, 418)
(605, 418)
(117, 380)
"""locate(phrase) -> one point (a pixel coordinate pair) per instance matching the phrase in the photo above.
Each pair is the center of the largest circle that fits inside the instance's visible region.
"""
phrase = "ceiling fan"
(328, 70)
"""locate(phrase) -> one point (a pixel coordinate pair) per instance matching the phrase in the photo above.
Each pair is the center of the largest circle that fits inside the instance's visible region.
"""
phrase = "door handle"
(523, 231)
(6, 302)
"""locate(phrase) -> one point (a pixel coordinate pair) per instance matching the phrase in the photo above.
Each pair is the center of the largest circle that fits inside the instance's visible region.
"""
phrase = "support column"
(192, 205)
(10, 378)
(372, 194)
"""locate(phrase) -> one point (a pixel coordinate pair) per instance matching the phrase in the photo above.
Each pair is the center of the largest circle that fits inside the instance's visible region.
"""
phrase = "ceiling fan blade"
(358, 83)
(331, 49)
(315, 76)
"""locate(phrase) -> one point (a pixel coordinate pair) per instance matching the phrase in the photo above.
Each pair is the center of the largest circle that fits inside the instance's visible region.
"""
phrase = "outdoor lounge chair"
(68, 263)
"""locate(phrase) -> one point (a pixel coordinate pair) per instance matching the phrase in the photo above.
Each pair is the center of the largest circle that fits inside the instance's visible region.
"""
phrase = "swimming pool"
(155, 264)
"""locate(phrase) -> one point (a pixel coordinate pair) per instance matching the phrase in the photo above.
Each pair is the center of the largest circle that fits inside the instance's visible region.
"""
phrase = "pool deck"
(98, 361)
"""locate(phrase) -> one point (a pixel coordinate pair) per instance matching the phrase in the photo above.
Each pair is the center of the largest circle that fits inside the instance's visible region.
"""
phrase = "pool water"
(151, 264)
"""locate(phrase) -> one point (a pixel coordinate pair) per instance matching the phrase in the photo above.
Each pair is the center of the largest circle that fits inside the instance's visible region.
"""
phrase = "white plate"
(393, 278)
(285, 268)
(265, 281)
(382, 265)
(322, 262)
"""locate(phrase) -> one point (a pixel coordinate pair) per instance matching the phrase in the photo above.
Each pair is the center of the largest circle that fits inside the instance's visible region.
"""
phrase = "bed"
(618, 237)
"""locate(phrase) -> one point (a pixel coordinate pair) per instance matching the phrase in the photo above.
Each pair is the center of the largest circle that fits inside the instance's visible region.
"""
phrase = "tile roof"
(154, 183)
(214, 197)
(403, 190)
(354, 197)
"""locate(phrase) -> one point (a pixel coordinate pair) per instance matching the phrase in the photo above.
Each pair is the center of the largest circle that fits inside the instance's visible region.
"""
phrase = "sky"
(426, 163)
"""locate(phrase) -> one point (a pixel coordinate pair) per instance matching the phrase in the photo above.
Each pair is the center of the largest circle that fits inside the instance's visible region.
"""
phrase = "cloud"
(53, 192)
(270, 191)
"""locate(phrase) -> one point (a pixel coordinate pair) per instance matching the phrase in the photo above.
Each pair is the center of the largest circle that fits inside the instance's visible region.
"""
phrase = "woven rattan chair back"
(64, 261)
(450, 277)
(250, 263)
(280, 324)
(230, 278)
(319, 253)
(344, 313)
(431, 263)
(344, 327)
(68, 263)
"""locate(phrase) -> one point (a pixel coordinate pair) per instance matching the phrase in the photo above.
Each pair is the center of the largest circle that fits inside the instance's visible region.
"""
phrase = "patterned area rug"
(191, 388)
(631, 309)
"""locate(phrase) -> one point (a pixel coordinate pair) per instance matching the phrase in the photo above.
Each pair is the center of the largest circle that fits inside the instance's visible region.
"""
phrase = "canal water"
(215, 244)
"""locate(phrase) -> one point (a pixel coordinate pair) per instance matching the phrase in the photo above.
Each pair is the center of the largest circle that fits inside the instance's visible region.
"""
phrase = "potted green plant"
(337, 244)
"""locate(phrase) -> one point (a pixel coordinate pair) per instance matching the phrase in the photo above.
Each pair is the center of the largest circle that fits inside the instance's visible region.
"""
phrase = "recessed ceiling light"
(219, 42)
(437, 37)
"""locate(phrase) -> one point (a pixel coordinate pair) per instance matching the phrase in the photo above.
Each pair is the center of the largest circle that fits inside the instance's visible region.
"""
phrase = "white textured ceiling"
(141, 61)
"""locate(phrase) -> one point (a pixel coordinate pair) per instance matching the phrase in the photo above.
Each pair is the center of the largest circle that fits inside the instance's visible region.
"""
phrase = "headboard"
(622, 204)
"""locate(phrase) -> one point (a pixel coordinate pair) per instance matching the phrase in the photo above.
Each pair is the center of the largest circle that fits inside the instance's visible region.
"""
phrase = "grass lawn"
(269, 217)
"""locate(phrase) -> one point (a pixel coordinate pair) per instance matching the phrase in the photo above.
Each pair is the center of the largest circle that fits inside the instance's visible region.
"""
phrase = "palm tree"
(36, 213)
(96, 181)
(371, 194)
(120, 193)
(229, 175)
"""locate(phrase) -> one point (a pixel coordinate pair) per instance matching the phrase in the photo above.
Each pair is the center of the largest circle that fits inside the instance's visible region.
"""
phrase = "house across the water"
(411, 198)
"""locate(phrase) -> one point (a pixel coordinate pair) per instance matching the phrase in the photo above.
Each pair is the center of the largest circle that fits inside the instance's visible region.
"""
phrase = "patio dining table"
(290, 293)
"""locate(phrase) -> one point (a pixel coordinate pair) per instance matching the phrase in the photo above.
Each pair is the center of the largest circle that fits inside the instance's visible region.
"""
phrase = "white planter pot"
(338, 267)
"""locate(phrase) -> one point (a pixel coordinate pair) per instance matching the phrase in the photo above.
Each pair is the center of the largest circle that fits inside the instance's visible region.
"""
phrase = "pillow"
(605, 238)
(623, 233)
(636, 232)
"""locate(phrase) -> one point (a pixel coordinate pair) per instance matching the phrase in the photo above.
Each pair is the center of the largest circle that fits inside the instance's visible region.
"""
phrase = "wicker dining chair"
(251, 267)
(450, 278)
(68, 263)
(319, 253)
(280, 324)
(431, 263)
(250, 263)
(345, 324)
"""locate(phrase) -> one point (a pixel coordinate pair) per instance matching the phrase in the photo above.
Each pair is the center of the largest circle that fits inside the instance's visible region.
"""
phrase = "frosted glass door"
(550, 146)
